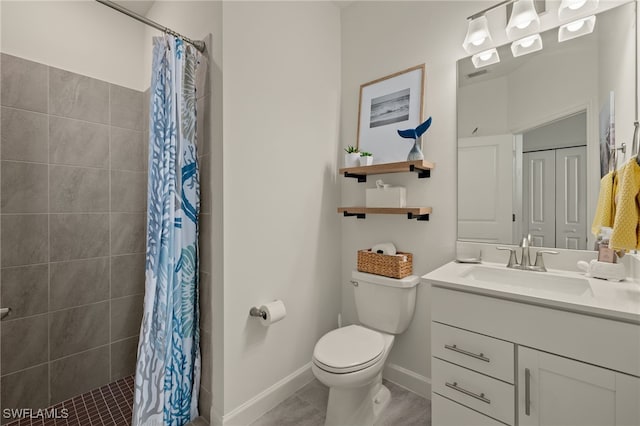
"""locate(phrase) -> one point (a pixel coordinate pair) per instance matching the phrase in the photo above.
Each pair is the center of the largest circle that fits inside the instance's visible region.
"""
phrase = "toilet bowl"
(350, 360)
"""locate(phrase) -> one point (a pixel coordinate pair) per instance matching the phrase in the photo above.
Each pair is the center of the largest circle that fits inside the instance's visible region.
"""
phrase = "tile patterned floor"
(307, 407)
(110, 405)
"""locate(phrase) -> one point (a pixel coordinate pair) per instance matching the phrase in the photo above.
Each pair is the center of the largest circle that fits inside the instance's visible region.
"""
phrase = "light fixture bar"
(495, 6)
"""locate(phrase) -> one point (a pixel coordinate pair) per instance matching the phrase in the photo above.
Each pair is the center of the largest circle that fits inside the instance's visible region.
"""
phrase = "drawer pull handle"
(527, 391)
(455, 348)
(455, 386)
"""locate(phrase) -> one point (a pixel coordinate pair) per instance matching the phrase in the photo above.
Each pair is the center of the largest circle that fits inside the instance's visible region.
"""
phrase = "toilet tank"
(385, 304)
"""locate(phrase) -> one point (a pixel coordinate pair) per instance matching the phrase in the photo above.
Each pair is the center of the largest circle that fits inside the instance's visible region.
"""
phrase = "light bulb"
(575, 26)
(527, 42)
(577, 4)
(478, 36)
(485, 56)
(478, 41)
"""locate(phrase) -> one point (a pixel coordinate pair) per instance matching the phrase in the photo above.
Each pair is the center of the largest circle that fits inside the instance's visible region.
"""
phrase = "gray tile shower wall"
(72, 231)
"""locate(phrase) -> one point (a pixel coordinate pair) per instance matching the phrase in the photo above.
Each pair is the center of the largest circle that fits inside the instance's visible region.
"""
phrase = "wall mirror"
(529, 134)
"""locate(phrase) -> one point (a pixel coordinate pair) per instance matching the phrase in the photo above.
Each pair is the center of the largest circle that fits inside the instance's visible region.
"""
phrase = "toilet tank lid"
(406, 282)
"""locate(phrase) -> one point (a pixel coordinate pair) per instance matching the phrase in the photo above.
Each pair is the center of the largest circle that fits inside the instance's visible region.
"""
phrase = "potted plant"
(366, 158)
(352, 156)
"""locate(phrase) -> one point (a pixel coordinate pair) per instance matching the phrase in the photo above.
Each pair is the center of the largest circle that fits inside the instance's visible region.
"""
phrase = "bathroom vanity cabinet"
(497, 361)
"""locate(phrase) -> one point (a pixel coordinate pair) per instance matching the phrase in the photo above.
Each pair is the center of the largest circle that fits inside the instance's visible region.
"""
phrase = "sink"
(528, 280)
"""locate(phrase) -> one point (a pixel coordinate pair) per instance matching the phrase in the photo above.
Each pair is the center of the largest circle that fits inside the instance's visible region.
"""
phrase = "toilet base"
(357, 406)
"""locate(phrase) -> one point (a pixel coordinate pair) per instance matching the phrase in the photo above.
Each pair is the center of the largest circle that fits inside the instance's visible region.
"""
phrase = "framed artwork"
(389, 104)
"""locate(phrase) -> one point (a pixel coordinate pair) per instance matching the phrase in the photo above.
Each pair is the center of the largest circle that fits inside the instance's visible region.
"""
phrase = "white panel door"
(557, 391)
(539, 197)
(485, 188)
(571, 193)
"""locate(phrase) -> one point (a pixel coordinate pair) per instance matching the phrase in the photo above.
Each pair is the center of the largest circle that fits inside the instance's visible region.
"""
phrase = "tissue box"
(395, 196)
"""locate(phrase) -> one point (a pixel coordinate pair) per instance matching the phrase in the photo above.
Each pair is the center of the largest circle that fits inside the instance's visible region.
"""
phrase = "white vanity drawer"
(472, 350)
(487, 395)
(448, 413)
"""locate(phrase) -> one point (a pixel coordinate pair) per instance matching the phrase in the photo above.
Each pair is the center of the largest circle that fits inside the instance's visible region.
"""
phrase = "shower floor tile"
(110, 405)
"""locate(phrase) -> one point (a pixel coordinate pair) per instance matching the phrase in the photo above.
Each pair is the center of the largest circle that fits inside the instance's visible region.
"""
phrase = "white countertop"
(614, 300)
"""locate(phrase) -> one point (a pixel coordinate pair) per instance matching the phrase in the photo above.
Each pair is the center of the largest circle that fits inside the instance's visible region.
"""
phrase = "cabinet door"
(557, 391)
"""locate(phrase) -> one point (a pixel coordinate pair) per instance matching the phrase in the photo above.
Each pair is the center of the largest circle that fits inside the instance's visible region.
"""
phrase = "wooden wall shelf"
(422, 167)
(419, 213)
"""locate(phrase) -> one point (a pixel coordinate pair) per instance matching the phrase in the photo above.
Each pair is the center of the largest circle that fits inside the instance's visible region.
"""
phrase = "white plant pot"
(366, 161)
(352, 159)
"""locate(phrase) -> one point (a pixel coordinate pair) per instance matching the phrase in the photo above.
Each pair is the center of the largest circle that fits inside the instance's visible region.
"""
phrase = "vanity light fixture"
(572, 8)
(526, 45)
(524, 19)
(485, 58)
(577, 28)
(478, 37)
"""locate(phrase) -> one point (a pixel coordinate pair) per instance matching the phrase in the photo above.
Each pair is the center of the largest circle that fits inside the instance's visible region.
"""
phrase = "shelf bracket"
(421, 173)
(358, 215)
(361, 178)
(420, 217)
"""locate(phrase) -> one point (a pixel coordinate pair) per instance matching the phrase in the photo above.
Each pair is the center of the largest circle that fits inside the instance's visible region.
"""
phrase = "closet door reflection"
(554, 191)
(571, 192)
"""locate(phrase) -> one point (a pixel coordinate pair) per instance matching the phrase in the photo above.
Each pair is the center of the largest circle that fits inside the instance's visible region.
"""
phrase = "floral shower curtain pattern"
(168, 368)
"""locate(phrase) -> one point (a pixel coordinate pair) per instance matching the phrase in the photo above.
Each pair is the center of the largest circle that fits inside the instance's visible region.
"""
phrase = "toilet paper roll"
(275, 312)
(384, 248)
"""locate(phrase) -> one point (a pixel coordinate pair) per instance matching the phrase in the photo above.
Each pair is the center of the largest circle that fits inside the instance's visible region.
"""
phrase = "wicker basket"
(398, 266)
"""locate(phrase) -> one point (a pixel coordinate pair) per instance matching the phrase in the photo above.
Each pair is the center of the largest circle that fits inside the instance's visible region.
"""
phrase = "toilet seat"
(348, 349)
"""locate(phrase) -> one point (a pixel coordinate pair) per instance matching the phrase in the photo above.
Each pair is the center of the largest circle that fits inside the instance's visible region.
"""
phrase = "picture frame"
(386, 105)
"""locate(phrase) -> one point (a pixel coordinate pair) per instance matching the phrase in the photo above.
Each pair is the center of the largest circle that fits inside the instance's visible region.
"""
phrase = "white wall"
(569, 132)
(84, 37)
(617, 69)
(281, 229)
(568, 87)
(380, 38)
(484, 106)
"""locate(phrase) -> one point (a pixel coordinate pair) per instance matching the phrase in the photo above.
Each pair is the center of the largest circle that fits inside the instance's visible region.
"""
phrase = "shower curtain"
(168, 368)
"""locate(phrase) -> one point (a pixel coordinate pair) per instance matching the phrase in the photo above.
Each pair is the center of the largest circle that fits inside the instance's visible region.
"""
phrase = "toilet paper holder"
(257, 312)
(4, 312)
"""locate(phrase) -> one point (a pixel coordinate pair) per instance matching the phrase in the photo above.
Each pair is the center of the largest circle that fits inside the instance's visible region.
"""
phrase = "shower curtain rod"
(198, 44)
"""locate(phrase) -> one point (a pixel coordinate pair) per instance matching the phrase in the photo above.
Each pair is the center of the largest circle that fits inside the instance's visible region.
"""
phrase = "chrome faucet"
(524, 245)
(525, 259)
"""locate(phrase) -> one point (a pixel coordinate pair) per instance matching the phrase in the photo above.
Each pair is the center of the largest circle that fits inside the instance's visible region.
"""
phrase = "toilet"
(349, 360)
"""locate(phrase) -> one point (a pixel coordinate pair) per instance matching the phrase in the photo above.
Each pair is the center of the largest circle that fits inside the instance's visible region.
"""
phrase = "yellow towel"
(626, 229)
(606, 208)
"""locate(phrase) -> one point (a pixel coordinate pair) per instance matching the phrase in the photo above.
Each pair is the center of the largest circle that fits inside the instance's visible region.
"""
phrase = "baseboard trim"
(248, 412)
(408, 379)
(216, 418)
